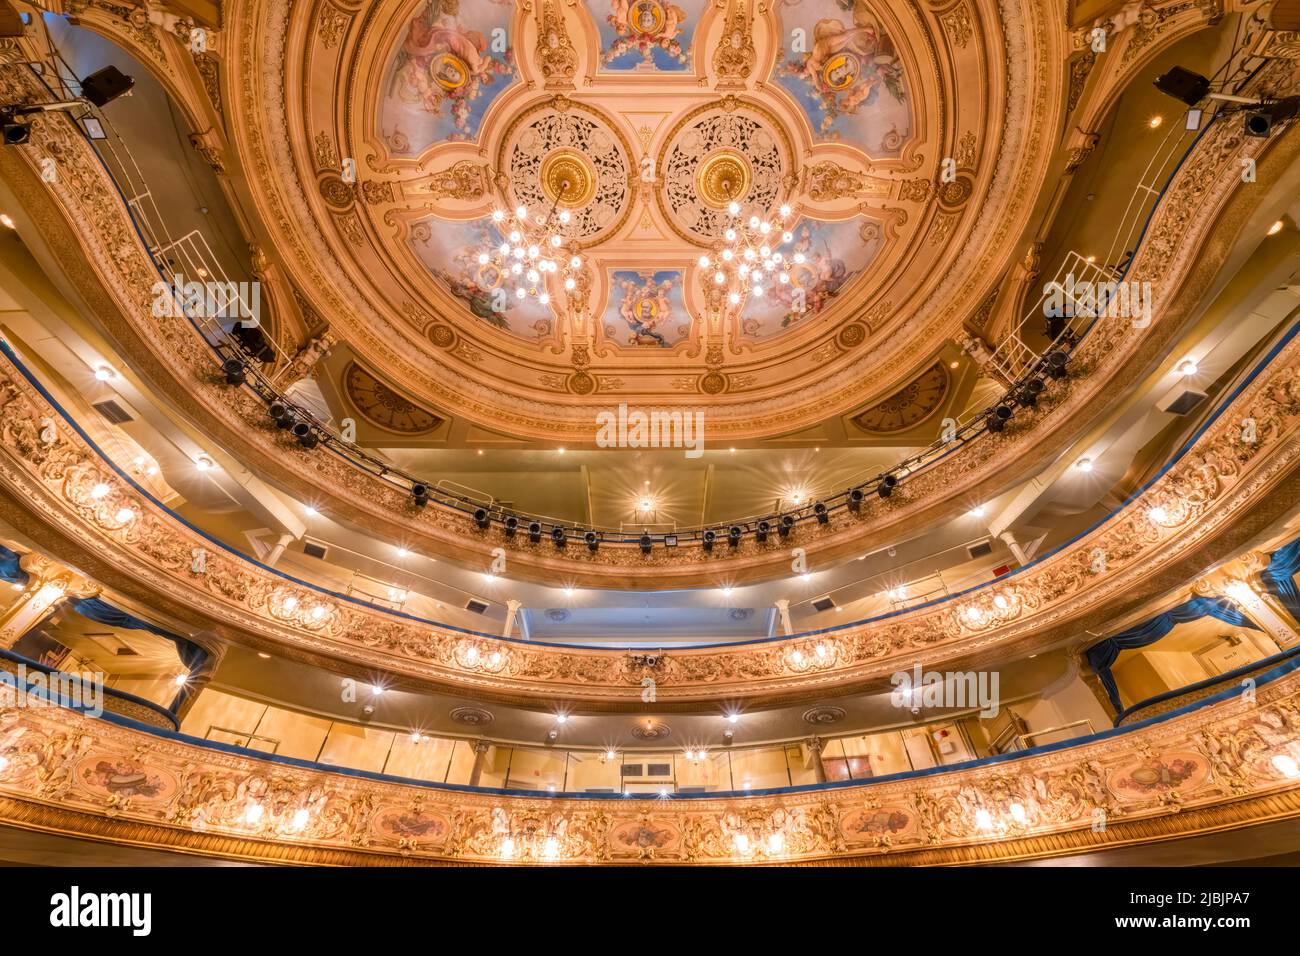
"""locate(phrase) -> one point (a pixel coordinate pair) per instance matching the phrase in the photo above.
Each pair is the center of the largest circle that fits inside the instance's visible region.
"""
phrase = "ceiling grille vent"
(981, 550)
(477, 606)
(824, 603)
(314, 549)
(114, 412)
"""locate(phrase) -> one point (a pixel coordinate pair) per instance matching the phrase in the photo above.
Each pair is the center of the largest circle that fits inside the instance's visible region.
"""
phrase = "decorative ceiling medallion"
(826, 714)
(384, 407)
(650, 730)
(557, 614)
(568, 178)
(910, 405)
(472, 716)
(569, 151)
(725, 175)
(715, 148)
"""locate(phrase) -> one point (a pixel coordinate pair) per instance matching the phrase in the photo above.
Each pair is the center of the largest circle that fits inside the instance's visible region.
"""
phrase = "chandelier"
(753, 258)
(533, 247)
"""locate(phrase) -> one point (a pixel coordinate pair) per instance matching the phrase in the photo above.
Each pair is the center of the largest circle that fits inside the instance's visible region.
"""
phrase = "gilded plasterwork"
(1211, 768)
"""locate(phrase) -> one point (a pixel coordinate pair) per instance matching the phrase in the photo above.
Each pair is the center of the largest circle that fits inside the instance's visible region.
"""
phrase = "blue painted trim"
(1231, 675)
(1267, 677)
(32, 665)
(7, 349)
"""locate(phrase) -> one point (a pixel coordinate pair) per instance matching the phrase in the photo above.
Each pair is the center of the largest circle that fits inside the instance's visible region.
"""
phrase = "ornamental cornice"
(1206, 503)
(1209, 769)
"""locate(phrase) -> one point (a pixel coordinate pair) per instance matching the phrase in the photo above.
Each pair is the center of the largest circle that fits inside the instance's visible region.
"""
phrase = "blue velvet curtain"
(10, 569)
(1279, 576)
(1102, 656)
(191, 655)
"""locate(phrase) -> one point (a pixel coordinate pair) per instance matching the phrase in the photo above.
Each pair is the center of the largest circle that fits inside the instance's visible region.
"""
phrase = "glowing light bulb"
(125, 515)
(100, 490)
(1018, 813)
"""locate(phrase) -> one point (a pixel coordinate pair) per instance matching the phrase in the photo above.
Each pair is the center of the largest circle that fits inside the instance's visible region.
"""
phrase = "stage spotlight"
(1261, 120)
(306, 435)
(998, 420)
(733, 535)
(511, 526)
(482, 518)
(855, 500)
(593, 541)
(235, 371)
(281, 414)
(1183, 84)
(1056, 364)
(760, 534)
(1028, 395)
(708, 538)
(647, 543)
(420, 494)
(886, 486)
(819, 510)
(15, 132)
(786, 526)
(558, 537)
(670, 541)
(535, 532)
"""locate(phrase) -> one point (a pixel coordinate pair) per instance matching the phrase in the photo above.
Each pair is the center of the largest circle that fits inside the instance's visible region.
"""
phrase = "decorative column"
(481, 748)
(512, 608)
(48, 585)
(783, 608)
(815, 745)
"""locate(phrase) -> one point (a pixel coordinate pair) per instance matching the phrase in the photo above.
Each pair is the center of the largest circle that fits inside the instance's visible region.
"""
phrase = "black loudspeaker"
(1183, 84)
(104, 86)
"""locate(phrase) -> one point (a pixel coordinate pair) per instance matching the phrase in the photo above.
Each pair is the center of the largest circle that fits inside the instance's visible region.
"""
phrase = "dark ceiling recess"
(114, 412)
(477, 606)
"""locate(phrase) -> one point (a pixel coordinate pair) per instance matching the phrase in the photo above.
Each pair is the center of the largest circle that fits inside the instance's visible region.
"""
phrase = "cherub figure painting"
(841, 69)
(648, 34)
(445, 64)
(649, 305)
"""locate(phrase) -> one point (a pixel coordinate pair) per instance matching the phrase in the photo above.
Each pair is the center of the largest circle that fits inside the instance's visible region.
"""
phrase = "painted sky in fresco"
(835, 251)
(840, 65)
(452, 256)
(647, 34)
(453, 59)
(645, 308)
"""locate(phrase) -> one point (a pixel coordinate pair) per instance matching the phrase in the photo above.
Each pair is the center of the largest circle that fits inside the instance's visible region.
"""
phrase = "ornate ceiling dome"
(654, 127)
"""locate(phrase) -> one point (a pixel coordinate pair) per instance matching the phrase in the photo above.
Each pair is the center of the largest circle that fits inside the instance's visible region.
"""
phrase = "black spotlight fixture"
(1029, 394)
(819, 510)
(105, 85)
(15, 131)
(647, 543)
(535, 531)
(1261, 120)
(760, 533)
(420, 494)
(1056, 364)
(558, 537)
(999, 418)
(733, 535)
(306, 435)
(281, 414)
(235, 371)
(1183, 84)
(708, 538)
(511, 525)
(886, 486)
(854, 501)
(482, 518)
(1055, 326)
(253, 341)
(593, 541)
(786, 526)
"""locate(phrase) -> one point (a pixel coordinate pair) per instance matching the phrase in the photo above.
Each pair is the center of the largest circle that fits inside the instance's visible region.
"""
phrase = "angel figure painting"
(648, 306)
(843, 68)
(454, 58)
(648, 34)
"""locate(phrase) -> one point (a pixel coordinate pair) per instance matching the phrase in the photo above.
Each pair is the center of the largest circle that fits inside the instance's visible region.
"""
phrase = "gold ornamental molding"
(1200, 511)
(95, 243)
(1225, 765)
(360, 258)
